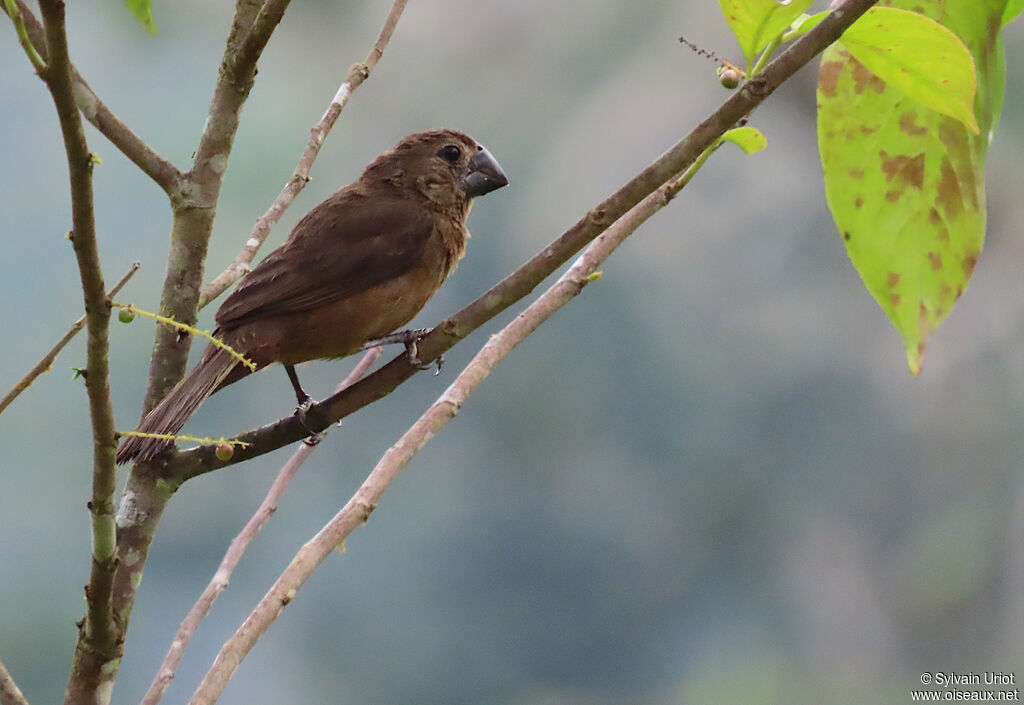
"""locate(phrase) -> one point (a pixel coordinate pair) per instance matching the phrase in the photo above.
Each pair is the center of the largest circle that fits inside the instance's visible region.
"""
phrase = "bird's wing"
(347, 244)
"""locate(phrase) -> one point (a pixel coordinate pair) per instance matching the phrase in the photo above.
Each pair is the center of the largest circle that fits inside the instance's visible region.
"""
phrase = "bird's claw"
(304, 406)
(414, 360)
(408, 338)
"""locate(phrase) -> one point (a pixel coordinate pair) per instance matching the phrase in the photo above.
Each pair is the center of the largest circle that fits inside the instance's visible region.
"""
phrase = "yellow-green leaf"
(757, 22)
(905, 183)
(143, 12)
(749, 139)
(918, 56)
(1013, 8)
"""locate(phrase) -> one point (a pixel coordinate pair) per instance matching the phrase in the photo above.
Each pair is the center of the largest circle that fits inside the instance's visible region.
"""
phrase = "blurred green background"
(709, 479)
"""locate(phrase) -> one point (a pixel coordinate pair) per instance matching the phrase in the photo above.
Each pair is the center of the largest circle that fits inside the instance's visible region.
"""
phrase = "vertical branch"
(98, 637)
(194, 202)
(194, 206)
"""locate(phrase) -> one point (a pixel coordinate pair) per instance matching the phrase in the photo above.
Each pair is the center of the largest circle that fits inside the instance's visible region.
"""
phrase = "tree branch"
(98, 636)
(357, 511)
(357, 73)
(189, 463)
(45, 364)
(165, 174)
(220, 580)
(10, 693)
(147, 489)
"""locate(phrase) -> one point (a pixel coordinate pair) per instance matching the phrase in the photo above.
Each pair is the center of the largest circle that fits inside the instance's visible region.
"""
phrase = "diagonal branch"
(45, 364)
(165, 174)
(219, 582)
(10, 693)
(186, 464)
(357, 73)
(357, 510)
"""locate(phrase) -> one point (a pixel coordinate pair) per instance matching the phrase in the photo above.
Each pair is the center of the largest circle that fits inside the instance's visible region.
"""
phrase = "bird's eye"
(450, 153)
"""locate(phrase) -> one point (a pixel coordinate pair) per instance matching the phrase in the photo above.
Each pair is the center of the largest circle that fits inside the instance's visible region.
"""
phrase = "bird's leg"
(408, 338)
(304, 402)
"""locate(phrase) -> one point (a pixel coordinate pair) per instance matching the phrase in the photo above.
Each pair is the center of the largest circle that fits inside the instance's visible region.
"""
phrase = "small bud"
(224, 452)
(730, 78)
(126, 315)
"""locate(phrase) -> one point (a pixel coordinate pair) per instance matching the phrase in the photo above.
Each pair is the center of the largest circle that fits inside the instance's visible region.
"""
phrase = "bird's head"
(445, 166)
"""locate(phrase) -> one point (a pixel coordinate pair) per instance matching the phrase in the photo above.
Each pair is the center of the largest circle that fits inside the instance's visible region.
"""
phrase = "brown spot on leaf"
(945, 294)
(908, 125)
(902, 169)
(954, 137)
(893, 196)
(847, 236)
(863, 79)
(858, 202)
(969, 263)
(894, 299)
(828, 76)
(934, 218)
(856, 173)
(866, 130)
(936, 260)
(892, 279)
(949, 190)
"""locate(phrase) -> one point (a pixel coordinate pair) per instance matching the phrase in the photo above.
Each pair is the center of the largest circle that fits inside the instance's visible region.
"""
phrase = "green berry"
(126, 315)
(224, 452)
(730, 78)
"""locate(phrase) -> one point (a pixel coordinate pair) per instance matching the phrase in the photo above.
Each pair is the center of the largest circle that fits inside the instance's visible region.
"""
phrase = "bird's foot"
(408, 338)
(305, 403)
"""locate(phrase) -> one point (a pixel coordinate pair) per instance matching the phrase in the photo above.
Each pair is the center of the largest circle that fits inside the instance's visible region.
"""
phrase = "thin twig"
(47, 361)
(188, 463)
(14, 12)
(220, 580)
(10, 693)
(165, 174)
(190, 330)
(357, 73)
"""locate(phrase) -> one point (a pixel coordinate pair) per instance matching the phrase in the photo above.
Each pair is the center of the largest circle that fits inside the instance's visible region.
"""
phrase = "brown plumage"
(357, 267)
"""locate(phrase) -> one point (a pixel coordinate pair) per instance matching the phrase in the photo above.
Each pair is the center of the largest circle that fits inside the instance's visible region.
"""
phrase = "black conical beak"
(483, 174)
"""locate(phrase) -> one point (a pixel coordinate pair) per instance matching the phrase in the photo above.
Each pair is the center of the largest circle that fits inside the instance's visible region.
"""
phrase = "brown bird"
(357, 267)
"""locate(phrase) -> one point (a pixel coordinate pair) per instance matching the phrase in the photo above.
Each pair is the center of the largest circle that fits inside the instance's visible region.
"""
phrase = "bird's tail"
(180, 403)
